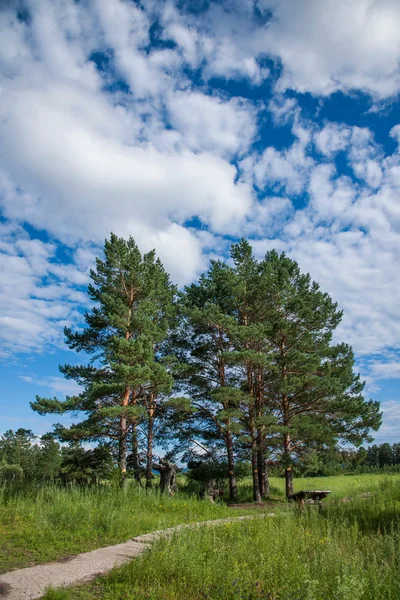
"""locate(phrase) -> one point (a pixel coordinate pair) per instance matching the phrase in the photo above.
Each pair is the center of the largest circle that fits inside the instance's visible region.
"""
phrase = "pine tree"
(18, 450)
(125, 376)
(49, 459)
(314, 392)
(202, 343)
(252, 351)
(372, 459)
(386, 457)
(396, 454)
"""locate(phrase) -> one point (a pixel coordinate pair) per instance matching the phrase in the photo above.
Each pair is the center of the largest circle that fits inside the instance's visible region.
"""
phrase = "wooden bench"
(309, 496)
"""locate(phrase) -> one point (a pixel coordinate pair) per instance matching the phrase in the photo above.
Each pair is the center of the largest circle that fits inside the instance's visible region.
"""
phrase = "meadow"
(47, 523)
(348, 551)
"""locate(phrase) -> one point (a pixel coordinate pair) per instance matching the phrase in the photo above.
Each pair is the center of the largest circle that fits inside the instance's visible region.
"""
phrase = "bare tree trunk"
(233, 492)
(167, 477)
(150, 428)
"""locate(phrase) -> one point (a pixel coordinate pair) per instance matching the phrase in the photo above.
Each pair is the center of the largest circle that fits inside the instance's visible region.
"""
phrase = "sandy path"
(32, 582)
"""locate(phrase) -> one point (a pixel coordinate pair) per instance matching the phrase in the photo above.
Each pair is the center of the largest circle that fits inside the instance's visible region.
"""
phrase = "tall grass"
(38, 525)
(349, 551)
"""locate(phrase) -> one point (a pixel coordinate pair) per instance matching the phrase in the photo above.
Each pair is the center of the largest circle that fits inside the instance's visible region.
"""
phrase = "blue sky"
(188, 125)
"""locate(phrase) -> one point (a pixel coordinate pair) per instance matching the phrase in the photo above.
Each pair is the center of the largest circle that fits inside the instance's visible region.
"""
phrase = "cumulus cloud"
(339, 45)
(321, 49)
(284, 170)
(57, 385)
(109, 123)
(38, 297)
(390, 429)
(385, 370)
(208, 123)
(348, 233)
(80, 159)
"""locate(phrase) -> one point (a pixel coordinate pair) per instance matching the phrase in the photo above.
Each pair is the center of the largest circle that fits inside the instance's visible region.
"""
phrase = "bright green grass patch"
(340, 486)
(350, 551)
(52, 522)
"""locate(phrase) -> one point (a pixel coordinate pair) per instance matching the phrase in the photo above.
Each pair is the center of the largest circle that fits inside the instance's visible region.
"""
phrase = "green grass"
(350, 551)
(340, 486)
(50, 523)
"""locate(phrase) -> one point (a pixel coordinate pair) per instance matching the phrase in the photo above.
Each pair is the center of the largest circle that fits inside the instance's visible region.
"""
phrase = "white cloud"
(348, 234)
(337, 45)
(80, 161)
(37, 295)
(224, 41)
(57, 385)
(385, 370)
(208, 123)
(332, 138)
(268, 216)
(390, 429)
(286, 170)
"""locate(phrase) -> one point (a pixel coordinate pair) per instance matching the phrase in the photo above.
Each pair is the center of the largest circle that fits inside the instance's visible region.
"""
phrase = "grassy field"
(350, 551)
(49, 523)
(340, 486)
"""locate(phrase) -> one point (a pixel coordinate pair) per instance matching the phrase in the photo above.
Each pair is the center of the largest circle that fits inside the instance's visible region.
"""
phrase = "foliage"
(86, 466)
(122, 384)
(265, 380)
(241, 365)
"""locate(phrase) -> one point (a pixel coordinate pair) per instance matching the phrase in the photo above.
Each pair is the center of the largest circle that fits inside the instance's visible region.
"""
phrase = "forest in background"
(27, 458)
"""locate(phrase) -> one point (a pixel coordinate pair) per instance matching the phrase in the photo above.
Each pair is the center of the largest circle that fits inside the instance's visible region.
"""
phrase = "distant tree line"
(374, 457)
(238, 367)
(25, 457)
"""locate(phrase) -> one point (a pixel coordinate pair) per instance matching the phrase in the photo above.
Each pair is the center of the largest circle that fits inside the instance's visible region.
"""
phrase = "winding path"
(32, 582)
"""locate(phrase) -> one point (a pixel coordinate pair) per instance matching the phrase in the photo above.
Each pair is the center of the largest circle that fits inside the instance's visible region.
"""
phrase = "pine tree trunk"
(289, 481)
(122, 452)
(149, 463)
(122, 438)
(260, 463)
(256, 481)
(288, 467)
(233, 493)
(135, 454)
(267, 489)
(254, 457)
(287, 447)
(258, 392)
(254, 466)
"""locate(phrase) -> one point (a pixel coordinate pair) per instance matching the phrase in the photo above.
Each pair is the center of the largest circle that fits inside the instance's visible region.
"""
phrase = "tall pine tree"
(313, 390)
(124, 330)
(202, 342)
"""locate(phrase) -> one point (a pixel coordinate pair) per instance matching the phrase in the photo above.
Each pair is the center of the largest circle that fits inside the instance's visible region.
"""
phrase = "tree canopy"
(241, 364)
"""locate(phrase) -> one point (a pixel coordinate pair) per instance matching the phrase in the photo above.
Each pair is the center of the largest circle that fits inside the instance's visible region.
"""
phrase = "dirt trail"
(32, 582)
